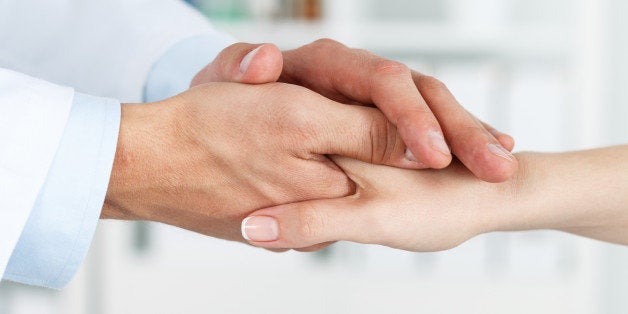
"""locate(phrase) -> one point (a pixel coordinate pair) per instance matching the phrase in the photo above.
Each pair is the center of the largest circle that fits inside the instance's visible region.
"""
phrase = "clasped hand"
(261, 128)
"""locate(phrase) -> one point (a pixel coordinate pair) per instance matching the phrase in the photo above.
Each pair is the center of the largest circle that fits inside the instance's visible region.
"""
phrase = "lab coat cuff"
(62, 223)
(175, 69)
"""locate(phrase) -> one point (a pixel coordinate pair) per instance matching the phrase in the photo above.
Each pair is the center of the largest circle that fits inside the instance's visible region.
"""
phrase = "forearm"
(582, 192)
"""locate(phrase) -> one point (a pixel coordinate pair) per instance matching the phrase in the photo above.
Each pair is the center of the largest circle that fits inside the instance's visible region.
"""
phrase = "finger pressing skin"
(470, 141)
(243, 63)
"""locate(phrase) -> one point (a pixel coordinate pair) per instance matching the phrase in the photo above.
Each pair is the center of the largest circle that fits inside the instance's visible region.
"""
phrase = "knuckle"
(311, 223)
(303, 126)
(383, 139)
(326, 42)
(430, 83)
(467, 133)
(385, 67)
(303, 120)
(291, 109)
(412, 117)
(322, 48)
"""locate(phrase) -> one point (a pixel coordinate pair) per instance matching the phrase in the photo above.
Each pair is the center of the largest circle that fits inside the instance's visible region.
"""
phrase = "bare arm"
(584, 192)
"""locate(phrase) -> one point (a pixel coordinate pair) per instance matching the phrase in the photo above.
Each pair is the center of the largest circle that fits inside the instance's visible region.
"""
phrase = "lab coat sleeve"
(33, 115)
(99, 47)
(63, 220)
(102, 47)
(174, 71)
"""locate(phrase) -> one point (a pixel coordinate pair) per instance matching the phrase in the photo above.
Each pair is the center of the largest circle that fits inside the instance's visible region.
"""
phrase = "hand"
(420, 106)
(416, 210)
(580, 192)
(206, 158)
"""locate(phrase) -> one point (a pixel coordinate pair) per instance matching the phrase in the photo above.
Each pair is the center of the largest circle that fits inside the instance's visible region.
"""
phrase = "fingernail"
(260, 228)
(437, 141)
(246, 61)
(410, 156)
(498, 150)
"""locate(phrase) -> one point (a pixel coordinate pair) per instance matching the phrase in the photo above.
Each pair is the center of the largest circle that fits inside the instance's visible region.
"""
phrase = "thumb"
(314, 224)
(243, 63)
(305, 224)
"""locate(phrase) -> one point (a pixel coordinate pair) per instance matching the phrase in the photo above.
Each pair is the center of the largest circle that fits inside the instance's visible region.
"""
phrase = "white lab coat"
(99, 47)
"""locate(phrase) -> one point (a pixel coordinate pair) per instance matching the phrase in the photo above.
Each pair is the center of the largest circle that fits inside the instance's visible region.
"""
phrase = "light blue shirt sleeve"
(174, 71)
(62, 223)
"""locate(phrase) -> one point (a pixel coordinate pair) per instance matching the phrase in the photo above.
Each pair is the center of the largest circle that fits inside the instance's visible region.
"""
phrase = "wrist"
(553, 191)
(114, 206)
(510, 201)
(132, 163)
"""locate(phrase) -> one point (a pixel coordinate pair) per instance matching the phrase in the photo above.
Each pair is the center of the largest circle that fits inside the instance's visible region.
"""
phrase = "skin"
(583, 192)
(185, 161)
(418, 105)
(206, 158)
(415, 103)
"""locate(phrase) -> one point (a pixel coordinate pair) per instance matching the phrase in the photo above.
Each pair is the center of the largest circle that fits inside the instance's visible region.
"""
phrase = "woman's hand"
(585, 193)
(416, 210)
(206, 158)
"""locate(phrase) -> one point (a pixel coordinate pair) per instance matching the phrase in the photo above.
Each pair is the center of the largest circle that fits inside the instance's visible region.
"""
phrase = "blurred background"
(553, 73)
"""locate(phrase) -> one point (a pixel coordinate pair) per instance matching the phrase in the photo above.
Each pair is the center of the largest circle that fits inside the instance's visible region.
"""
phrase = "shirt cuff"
(62, 223)
(173, 72)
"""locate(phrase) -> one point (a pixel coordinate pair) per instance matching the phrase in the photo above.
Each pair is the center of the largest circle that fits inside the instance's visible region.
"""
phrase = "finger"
(315, 224)
(506, 140)
(473, 144)
(394, 93)
(308, 224)
(358, 132)
(361, 76)
(243, 63)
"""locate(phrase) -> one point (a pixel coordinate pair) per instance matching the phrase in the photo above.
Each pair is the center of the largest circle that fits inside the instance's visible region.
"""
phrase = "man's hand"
(420, 106)
(206, 158)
